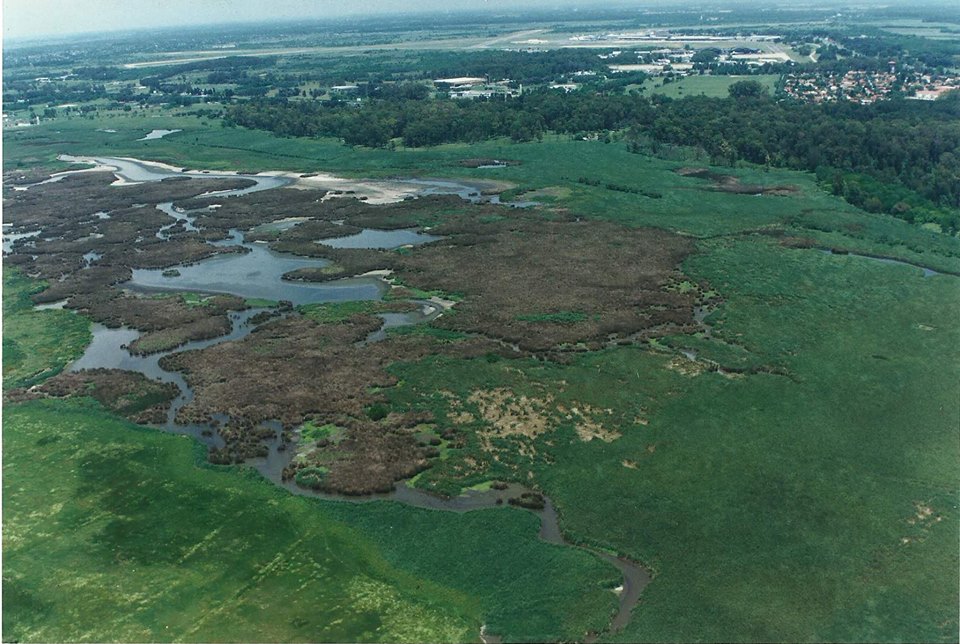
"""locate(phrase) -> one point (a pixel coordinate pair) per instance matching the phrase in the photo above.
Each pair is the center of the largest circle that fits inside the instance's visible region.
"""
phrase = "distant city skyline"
(38, 18)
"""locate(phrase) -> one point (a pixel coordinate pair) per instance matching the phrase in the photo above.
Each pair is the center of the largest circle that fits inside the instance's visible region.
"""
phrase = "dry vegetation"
(503, 419)
(119, 224)
(528, 281)
(293, 369)
(550, 284)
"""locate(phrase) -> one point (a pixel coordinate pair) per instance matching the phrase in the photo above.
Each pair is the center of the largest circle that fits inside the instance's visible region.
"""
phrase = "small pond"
(258, 274)
(158, 134)
(382, 239)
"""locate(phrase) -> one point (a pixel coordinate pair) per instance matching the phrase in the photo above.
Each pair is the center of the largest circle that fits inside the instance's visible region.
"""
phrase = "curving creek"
(257, 273)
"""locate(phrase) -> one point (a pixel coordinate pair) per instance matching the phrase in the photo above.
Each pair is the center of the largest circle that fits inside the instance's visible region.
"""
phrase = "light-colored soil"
(587, 426)
(512, 415)
(686, 367)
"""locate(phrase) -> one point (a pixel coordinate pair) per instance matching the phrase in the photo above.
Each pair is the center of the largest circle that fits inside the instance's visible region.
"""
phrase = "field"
(715, 86)
(183, 551)
(202, 554)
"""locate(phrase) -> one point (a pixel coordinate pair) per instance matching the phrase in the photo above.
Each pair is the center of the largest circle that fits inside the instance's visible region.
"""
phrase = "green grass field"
(36, 344)
(817, 505)
(713, 86)
(114, 532)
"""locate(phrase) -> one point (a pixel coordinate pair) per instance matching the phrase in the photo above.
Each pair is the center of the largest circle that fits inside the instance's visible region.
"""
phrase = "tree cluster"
(419, 122)
(899, 157)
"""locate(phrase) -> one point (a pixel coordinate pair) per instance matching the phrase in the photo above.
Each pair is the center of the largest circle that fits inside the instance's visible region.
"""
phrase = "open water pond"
(428, 311)
(280, 225)
(139, 171)
(108, 350)
(10, 237)
(259, 274)
(382, 239)
(157, 134)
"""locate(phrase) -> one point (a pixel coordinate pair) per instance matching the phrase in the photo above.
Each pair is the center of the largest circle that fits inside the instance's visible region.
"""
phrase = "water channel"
(927, 272)
(257, 272)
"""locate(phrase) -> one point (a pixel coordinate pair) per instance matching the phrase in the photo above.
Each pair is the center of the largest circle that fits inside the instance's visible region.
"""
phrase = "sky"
(31, 18)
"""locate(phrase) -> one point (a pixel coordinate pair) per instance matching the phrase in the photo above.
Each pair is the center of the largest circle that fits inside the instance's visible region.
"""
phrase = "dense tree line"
(899, 157)
(420, 121)
(520, 66)
(34, 93)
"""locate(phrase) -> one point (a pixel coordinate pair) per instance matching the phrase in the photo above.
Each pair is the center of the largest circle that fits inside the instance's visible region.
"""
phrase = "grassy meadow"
(114, 532)
(814, 500)
(712, 86)
(36, 344)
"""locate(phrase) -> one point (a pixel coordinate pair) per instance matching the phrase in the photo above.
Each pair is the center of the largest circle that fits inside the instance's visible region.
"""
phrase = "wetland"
(161, 329)
(300, 345)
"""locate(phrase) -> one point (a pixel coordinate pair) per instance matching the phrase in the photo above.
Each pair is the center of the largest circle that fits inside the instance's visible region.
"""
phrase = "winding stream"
(257, 273)
(108, 350)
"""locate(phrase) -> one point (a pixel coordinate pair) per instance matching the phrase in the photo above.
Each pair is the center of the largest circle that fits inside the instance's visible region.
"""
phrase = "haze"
(33, 18)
